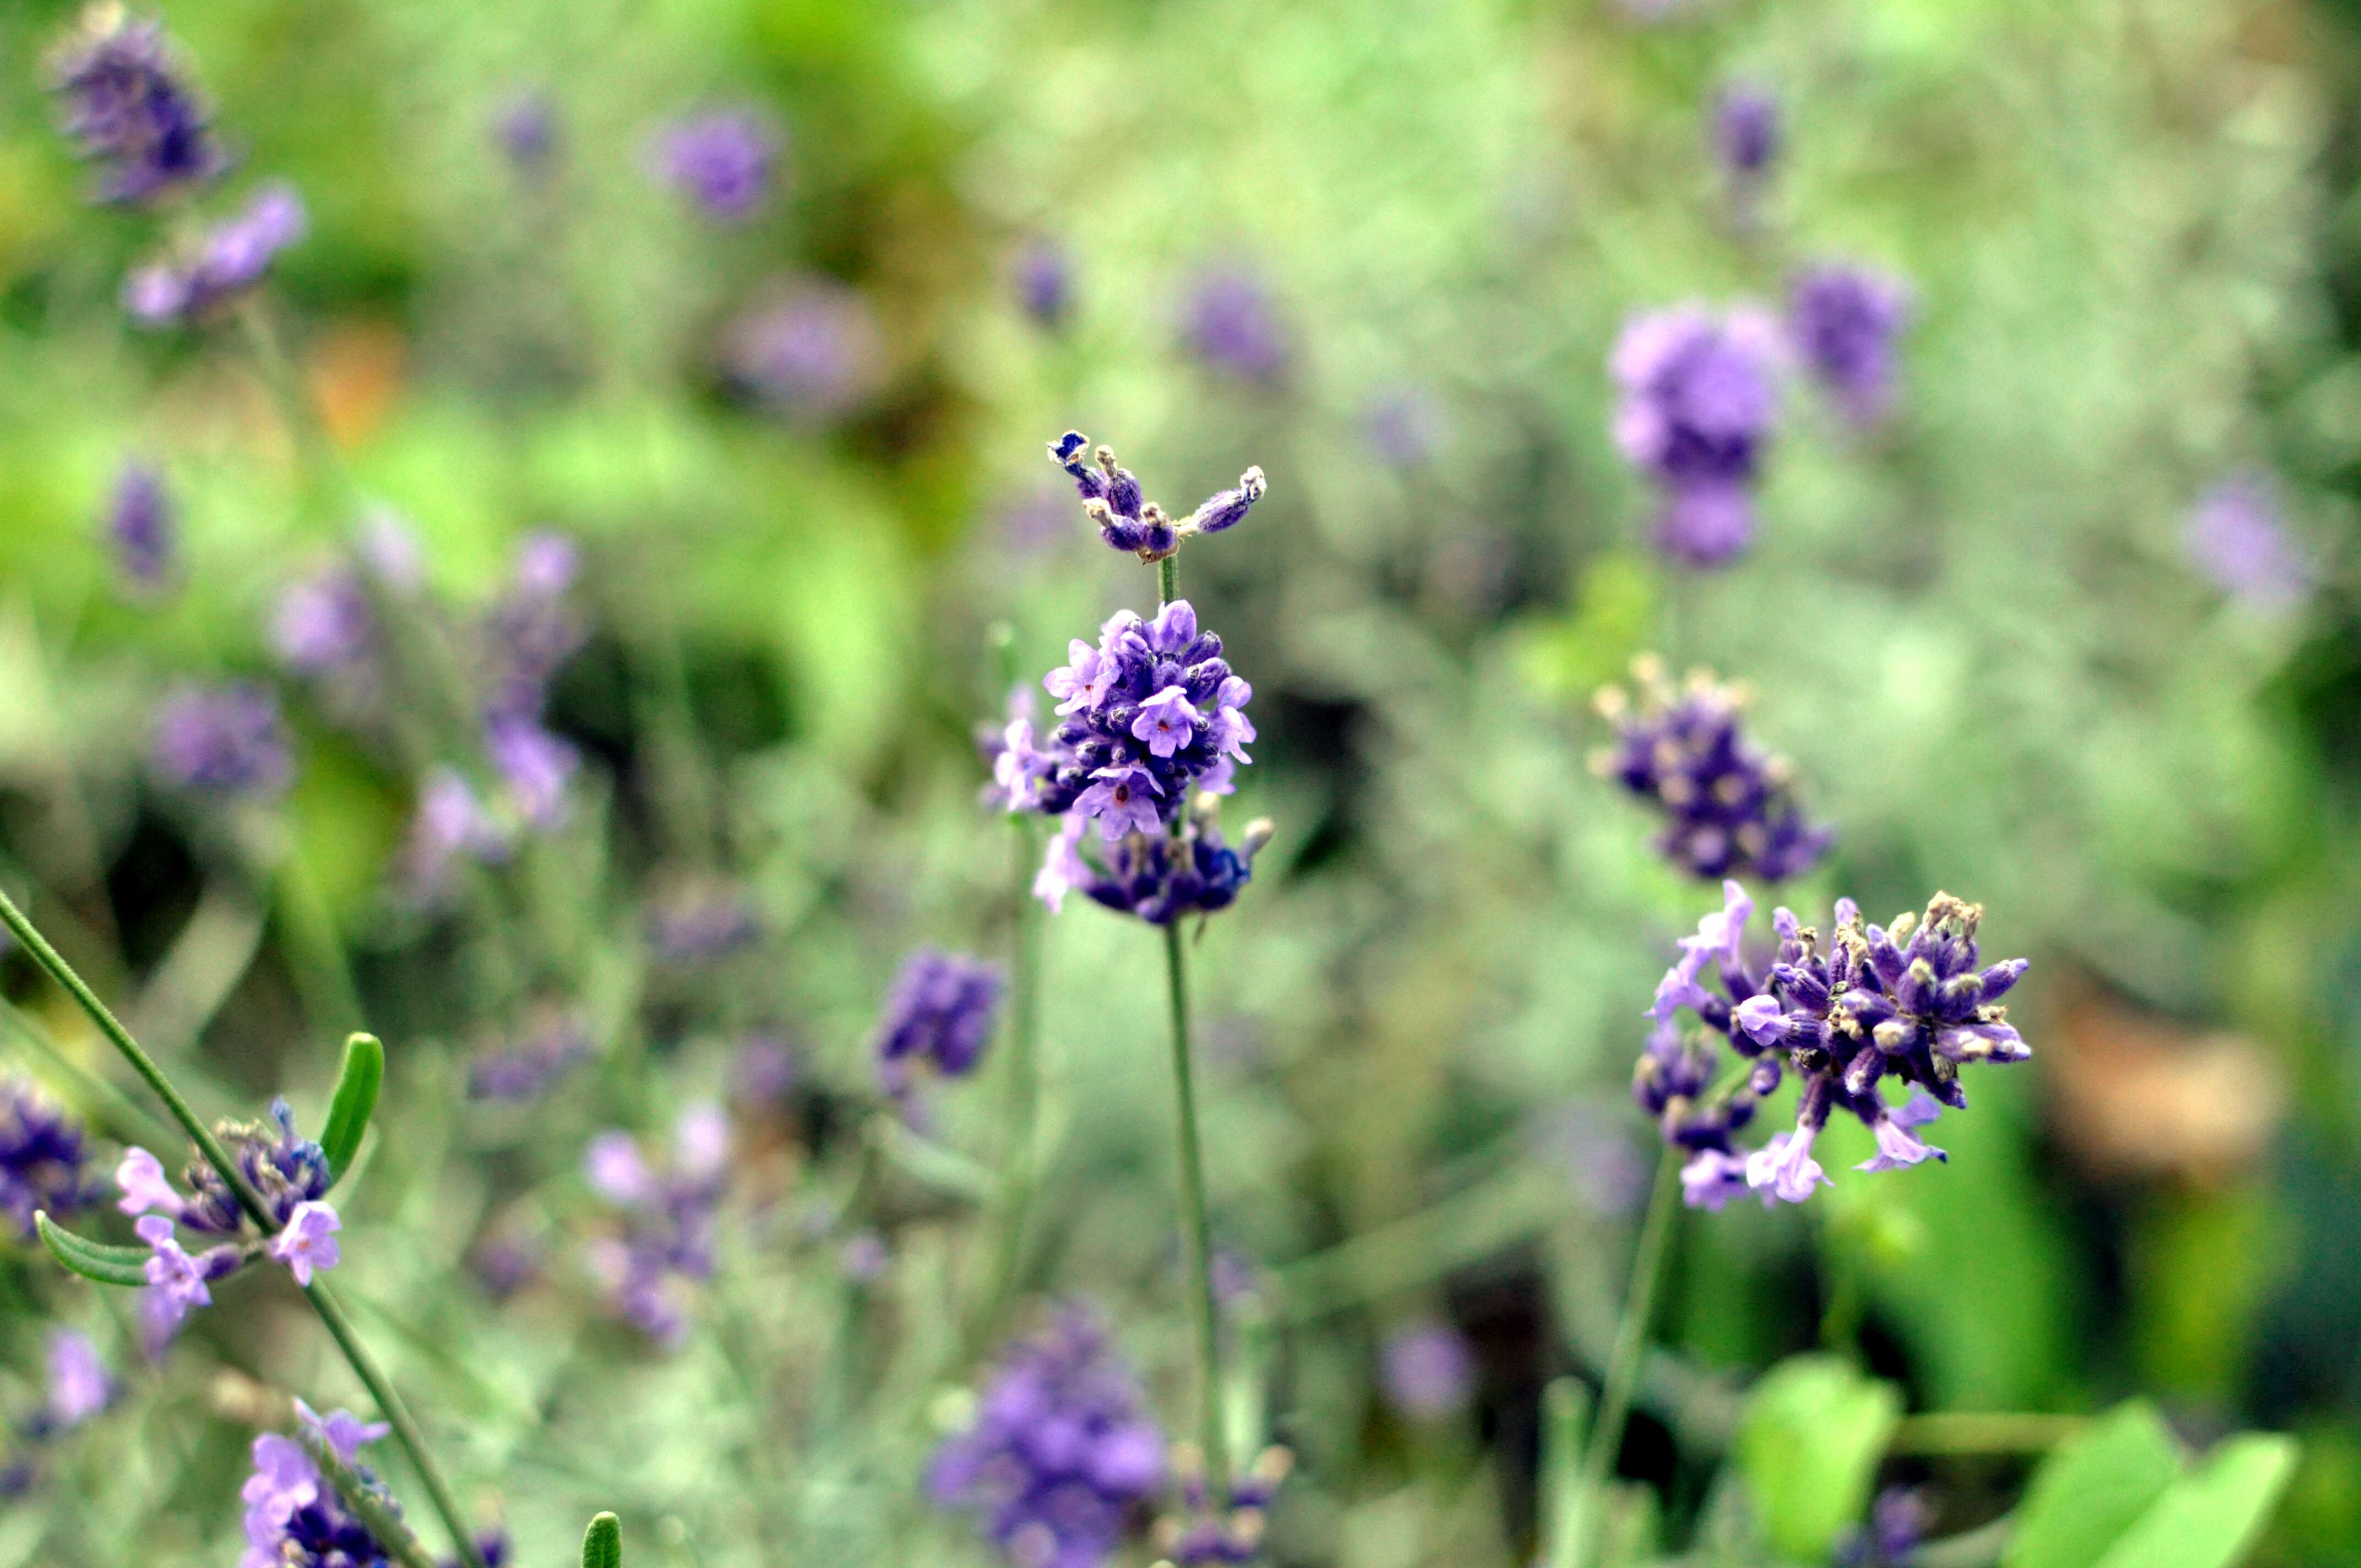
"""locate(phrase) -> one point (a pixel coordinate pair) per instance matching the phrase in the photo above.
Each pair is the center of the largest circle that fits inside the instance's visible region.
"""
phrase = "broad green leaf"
(1808, 1445)
(2209, 1518)
(602, 1544)
(93, 1260)
(356, 1097)
(2090, 1490)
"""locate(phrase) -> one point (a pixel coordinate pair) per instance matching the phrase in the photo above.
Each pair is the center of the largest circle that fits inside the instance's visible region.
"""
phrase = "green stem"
(1623, 1365)
(1023, 1072)
(1198, 1231)
(1168, 579)
(340, 1329)
(1977, 1431)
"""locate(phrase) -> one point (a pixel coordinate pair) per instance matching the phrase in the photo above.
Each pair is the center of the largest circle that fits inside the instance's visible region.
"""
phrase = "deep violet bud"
(1045, 282)
(721, 159)
(1427, 1371)
(1728, 805)
(525, 130)
(940, 1015)
(1157, 877)
(2236, 536)
(1845, 322)
(223, 741)
(126, 101)
(1231, 323)
(810, 351)
(1063, 1450)
(1746, 131)
(1126, 518)
(231, 258)
(1910, 1002)
(1699, 397)
(43, 1161)
(142, 527)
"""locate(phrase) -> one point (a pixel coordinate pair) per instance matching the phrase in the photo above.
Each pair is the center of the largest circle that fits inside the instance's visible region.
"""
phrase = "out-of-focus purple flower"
(1403, 426)
(504, 1265)
(1061, 1453)
(223, 741)
(524, 127)
(323, 625)
(2236, 535)
(449, 826)
(1729, 806)
(1199, 1536)
(308, 1242)
(535, 765)
(722, 159)
(810, 350)
(387, 549)
(553, 1046)
(142, 527)
(1045, 282)
(1845, 322)
(940, 1015)
(80, 1384)
(1231, 322)
(129, 106)
(43, 1162)
(1746, 133)
(1898, 1522)
(1910, 1002)
(1427, 1370)
(533, 627)
(232, 257)
(667, 1240)
(1699, 399)
(1127, 520)
(702, 920)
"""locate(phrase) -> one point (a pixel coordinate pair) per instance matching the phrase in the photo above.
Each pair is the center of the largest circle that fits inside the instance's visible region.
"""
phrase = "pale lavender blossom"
(307, 1244)
(223, 741)
(810, 350)
(2236, 535)
(722, 159)
(1427, 1370)
(232, 257)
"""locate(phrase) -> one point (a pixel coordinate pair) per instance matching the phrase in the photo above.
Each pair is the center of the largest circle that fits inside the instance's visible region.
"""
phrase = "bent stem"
(340, 1328)
(1623, 1364)
(1198, 1231)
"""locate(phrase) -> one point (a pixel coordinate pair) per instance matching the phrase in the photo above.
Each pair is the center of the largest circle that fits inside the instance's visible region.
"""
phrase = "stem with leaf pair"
(341, 1136)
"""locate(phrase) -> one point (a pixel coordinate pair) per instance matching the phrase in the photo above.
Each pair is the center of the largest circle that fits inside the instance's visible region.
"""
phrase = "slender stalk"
(1623, 1365)
(1168, 579)
(1024, 1088)
(340, 1328)
(1198, 1231)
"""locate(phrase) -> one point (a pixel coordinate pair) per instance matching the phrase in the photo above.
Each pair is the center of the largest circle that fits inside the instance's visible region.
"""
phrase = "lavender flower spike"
(127, 104)
(231, 258)
(142, 527)
(1845, 322)
(43, 1163)
(721, 159)
(1909, 1002)
(1728, 805)
(223, 741)
(940, 1015)
(1746, 132)
(294, 1518)
(1699, 399)
(1127, 520)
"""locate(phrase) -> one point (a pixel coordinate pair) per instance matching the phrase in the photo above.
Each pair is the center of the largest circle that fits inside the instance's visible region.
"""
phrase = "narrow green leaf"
(1808, 1444)
(2092, 1489)
(2209, 1518)
(1565, 1425)
(602, 1544)
(93, 1260)
(349, 1113)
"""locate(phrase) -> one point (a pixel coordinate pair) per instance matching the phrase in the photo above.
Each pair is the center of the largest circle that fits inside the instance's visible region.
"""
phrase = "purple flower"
(1910, 1002)
(1699, 397)
(286, 1170)
(322, 624)
(1745, 131)
(1845, 322)
(1231, 323)
(1157, 877)
(668, 1214)
(308, 1242)
(810, 350)
(1428, 1371)
(525, 130)
(722, 159)
(127, 104)
(448, 826)
(223, 741)
(940, 1015)
(142, 527)
(1045, 282)
(1061, 1453)
(554, 1045)
(535, 765)
(533, 627)
(232, 257)
(1403, 426)
(294, 1518)
(43, 1164)
(2238, 536)
(141, 1177)
(1898, 1522)
(1200, 1535)
(177, 1279)
(1728, 805)
(80, 1384)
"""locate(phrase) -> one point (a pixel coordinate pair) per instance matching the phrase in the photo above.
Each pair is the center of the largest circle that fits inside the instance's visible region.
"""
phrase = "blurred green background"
(2132, 230)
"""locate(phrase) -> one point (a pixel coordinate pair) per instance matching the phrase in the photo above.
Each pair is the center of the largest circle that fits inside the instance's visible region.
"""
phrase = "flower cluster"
(142, 528)
(1699, 396)
(667, 1240)
(42, 1161)
(129, 107)
(1158, 878)
(294, 1517)
(940, 1015)
(2236, 535)
(288, 1172)
(1127, 520)
(1203, 1535)
(1728, 805)
(1907, 1001)
(232, 257)
(223, 741)
(721, 159)
(1062, 1452)
(1845, 322)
